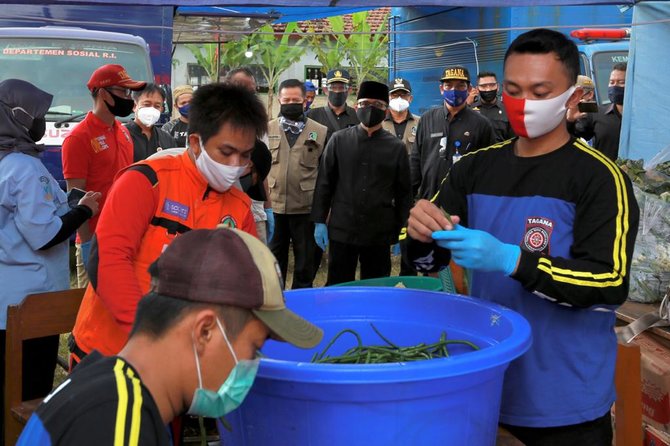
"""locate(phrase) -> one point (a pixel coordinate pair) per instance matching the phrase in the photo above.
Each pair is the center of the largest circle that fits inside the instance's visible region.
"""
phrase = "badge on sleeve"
(312, 136)
(46, 187)
(414, 131)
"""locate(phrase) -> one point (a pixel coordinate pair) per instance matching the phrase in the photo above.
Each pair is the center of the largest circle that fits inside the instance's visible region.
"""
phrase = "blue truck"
(478, 38)
(36, 46)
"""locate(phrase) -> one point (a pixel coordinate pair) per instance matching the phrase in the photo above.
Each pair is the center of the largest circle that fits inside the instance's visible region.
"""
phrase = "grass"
(322, 273)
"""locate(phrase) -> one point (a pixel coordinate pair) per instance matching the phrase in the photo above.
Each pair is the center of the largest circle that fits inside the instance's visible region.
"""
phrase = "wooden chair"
(38, 315)
(628, 408)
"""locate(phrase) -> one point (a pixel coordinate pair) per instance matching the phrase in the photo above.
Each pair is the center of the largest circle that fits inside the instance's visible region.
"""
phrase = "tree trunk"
(270, 99)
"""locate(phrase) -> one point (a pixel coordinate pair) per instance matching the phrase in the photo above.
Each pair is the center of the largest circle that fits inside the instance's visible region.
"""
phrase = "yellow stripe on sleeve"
(136, 419)
(122, 408)
(619, 257)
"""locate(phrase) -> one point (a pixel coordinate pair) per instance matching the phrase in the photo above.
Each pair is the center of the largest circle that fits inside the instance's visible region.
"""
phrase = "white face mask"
(148, 115)
(531, 118)
(219, 176)
(399, 104)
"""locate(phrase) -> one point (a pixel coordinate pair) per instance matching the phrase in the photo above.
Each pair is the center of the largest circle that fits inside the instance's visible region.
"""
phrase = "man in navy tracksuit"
(548, 225)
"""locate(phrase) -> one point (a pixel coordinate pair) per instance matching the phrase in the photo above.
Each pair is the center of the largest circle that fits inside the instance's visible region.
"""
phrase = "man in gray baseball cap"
(216, 297)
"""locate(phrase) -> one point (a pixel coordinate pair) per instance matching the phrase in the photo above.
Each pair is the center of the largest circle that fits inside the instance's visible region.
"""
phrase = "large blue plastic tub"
(453, 401)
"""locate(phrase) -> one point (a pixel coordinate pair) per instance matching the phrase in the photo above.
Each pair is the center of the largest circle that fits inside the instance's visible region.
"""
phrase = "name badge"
(436, 135)
(174, 208)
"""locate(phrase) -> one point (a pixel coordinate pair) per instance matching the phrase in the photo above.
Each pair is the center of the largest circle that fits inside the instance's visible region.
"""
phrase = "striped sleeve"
(604, 234)
(129, 408)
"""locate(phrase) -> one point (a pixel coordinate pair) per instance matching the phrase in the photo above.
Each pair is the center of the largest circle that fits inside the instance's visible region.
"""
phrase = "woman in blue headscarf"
(35, 225)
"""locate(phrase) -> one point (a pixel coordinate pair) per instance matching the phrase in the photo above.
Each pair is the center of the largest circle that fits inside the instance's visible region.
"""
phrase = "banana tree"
(329, 50)
(365, 51)
(212, 56)
(206, 55)
(276, 55)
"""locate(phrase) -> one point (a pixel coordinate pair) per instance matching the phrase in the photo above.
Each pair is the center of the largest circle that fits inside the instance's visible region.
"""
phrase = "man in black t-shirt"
(199, 312)
(178, 128)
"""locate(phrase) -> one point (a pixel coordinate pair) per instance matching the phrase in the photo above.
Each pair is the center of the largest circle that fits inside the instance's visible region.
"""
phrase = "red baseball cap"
(113, 75)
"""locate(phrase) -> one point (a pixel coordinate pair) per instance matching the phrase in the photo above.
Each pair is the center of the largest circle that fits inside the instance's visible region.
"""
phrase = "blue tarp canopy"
(368, 4)
(645, 129)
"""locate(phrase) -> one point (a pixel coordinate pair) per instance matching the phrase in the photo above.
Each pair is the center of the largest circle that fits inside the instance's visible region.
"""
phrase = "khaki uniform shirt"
(292, 177)
(410, 130)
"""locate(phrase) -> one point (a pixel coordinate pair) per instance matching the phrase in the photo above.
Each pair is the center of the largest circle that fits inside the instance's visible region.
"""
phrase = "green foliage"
(329, 51)
(275, 55)
(206, 56)
(232, 53)
(365, 51)
(229, 55)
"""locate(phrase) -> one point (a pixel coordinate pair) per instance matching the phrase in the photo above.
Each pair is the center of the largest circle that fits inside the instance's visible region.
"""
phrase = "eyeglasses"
(337, 87)
(364, 103)
(398, 94)
(123, 92)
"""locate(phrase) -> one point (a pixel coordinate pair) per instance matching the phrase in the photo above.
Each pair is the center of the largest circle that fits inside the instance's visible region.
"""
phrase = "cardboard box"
(655, 362)
(654, 437)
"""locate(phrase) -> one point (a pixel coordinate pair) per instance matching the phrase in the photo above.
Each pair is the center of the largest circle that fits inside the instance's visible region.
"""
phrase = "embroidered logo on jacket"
(176, 209)
(228, 222)
(99, 144)
(537, 237)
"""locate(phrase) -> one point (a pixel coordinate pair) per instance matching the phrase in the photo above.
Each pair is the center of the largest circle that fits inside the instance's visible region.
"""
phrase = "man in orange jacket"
(154, 201)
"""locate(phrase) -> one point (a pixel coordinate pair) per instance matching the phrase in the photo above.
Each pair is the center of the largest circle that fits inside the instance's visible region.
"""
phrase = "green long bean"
(391, 352)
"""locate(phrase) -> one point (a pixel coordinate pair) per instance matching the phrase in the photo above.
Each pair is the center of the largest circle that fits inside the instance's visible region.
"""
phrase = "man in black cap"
(447, 132)
(363, 184)
(337, 115)
(400, 121)
(490, 106)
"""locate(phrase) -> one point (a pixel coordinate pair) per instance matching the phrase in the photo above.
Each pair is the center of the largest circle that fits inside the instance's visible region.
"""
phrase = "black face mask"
(337, 99)
(122, 107)
(37, 130)
(370, 116)
(615, 94)
(291, 111)
(489, 96)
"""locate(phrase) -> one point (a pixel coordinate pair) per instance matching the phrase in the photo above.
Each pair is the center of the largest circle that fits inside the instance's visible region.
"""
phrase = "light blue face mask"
(232, 392)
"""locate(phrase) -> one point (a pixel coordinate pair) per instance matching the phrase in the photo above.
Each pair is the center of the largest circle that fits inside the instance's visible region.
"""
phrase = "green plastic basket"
(414, 282)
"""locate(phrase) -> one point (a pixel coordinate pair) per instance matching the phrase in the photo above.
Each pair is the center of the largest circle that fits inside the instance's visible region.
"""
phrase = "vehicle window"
(63, 66)
(602, 65)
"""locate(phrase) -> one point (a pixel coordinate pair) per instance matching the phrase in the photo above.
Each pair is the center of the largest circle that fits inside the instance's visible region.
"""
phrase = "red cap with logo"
(113, 75)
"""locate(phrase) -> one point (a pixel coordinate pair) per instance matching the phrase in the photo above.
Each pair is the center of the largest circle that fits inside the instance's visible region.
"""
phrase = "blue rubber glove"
(479, 250)
(395, 250)
(85, 252)
(321, 235)
(271, 223)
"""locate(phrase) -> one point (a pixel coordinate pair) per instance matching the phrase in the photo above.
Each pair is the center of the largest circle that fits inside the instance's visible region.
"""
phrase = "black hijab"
(21, 105)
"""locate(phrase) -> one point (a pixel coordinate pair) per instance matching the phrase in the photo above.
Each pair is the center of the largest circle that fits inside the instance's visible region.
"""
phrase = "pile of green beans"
(382, 354)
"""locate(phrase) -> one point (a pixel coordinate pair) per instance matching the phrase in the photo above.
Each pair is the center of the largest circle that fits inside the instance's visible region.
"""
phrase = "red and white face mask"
(533, 118)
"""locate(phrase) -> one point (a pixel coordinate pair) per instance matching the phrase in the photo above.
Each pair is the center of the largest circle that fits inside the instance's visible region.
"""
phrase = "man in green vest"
(296, 143)
(400, 121)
